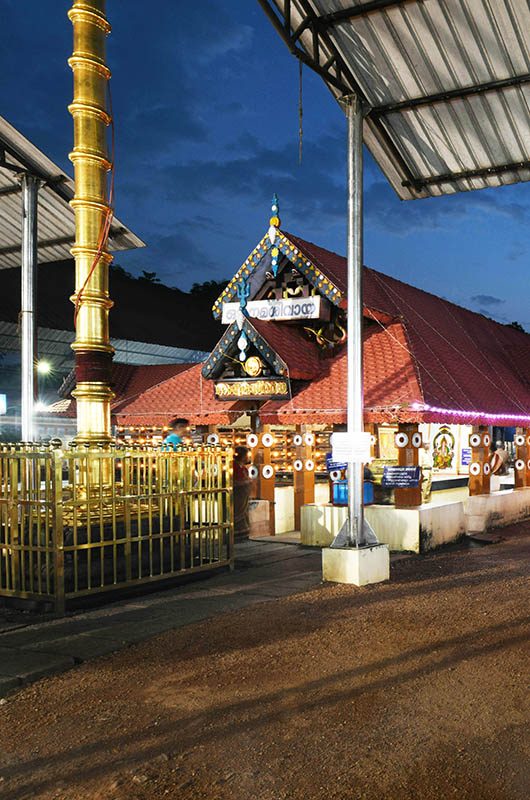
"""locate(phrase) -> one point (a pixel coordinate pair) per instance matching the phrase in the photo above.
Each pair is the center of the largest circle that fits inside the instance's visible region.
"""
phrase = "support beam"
(9, 250)
(355, 396)
(5, 191)
(56, 181)
(28, 292)
(359, 10)
(451, 177)
(341, 79)
(444, 97)
(304, 57)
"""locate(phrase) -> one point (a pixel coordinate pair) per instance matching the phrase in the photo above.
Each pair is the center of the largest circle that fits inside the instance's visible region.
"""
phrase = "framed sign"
(387, 444)
(277, 310)
(332, 465)
(258, 388)
(401, 477)
(465, 457)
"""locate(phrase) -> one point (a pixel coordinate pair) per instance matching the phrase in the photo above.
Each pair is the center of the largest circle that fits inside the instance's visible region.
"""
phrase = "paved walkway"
(264, 571)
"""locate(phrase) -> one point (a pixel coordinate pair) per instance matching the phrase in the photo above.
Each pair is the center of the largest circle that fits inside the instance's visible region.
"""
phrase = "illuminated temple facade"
(433, 371)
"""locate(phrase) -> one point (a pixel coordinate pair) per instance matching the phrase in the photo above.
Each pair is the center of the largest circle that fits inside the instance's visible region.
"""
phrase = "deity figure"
(443, 449)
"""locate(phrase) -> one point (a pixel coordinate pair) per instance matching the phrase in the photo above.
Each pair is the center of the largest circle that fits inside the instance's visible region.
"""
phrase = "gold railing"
(76, 522)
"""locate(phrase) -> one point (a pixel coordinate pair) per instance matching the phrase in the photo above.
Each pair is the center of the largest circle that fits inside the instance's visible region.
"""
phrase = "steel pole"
(355, 312)
(28, 277)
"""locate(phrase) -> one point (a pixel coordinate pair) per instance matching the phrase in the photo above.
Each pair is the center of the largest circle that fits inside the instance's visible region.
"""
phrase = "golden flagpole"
(93, 351)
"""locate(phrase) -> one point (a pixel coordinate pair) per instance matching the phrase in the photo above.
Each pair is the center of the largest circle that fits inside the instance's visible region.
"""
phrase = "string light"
(462, 413)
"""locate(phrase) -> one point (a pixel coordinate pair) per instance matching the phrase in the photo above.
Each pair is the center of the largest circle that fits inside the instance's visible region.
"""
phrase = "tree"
(209, 288)
(516, 326)
(149, 277)
(117, 270)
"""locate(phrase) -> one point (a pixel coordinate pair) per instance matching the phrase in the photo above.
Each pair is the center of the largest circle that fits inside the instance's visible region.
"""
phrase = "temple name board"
(277, 310)
(262, 388)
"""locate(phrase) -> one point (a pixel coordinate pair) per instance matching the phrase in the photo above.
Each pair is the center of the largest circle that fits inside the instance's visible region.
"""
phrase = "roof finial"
(274, 221)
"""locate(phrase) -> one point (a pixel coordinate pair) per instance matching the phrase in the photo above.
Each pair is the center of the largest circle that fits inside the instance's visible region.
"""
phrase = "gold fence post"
(229, 485)
(58, 530)
(126, 464)
(14, 522)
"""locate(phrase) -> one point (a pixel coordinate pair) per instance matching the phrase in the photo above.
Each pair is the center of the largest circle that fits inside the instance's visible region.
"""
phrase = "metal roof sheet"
(58, 343)
(56, 225)
(446, 83)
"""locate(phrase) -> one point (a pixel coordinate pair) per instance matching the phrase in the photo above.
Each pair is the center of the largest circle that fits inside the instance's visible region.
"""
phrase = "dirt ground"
(413, 689)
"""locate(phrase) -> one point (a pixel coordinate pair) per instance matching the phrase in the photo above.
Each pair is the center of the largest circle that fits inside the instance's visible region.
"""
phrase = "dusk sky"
(205, 99)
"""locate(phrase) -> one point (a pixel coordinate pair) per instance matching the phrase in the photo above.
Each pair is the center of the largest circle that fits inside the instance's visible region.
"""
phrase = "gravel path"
(413, 689)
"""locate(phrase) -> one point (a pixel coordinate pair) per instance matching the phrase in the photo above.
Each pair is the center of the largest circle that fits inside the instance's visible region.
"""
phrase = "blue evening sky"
(205, 99)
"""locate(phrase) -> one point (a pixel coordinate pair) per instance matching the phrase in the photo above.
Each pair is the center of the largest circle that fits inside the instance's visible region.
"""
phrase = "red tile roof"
(391, 382)
(186, 394)
(128, 381)
(464, 361)
(301, 355)
(131, 381)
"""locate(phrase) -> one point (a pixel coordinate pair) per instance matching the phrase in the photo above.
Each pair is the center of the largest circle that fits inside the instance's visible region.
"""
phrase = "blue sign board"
(3, 404)
(465, 459)
(401, 477)
(333, 465)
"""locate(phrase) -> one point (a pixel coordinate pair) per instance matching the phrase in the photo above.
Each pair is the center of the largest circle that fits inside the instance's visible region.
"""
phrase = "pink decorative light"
(456, 412)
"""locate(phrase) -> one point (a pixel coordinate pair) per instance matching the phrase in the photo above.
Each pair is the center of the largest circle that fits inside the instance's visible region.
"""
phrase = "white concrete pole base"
(359, 566)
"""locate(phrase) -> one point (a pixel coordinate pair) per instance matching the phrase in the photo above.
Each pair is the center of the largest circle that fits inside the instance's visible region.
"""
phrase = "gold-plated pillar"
(93, 351)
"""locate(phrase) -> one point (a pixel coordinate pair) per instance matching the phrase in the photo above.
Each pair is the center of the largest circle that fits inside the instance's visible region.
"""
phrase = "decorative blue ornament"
(243, 292)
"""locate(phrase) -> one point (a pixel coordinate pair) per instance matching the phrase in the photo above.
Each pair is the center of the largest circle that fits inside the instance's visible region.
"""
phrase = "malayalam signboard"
(401, 477)
(278, 310)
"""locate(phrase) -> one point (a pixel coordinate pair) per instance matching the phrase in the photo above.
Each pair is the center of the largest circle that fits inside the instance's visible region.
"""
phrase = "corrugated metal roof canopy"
(55, 216)
(446, 83)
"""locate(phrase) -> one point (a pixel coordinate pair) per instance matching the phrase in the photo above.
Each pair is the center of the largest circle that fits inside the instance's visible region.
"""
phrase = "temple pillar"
(479, 468)
(408, 443)
(527, 434)
(266, 478)
(304, 470)
(522, 454)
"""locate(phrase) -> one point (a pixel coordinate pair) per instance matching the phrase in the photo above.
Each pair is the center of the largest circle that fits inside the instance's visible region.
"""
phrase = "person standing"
(499, 460)
(242, 484)
(178, 432)
(426, 463)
